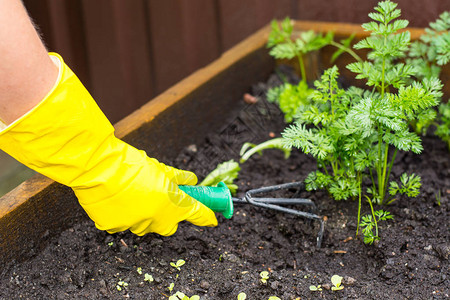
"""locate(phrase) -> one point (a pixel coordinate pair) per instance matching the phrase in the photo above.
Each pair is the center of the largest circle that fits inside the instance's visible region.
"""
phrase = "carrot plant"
(355, 134)
(285, 45)
(429, 54)
(382, 119)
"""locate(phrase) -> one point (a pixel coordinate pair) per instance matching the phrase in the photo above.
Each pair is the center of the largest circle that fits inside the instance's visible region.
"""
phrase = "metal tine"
(297, 213)
(282, 201)
(274, 188)
(286, 201)
(273, 203)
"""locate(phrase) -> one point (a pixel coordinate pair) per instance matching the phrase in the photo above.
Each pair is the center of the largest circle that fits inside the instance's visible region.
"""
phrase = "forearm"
(27, 73)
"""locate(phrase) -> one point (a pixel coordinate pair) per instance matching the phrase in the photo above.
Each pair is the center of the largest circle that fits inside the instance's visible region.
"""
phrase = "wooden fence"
(128, 51)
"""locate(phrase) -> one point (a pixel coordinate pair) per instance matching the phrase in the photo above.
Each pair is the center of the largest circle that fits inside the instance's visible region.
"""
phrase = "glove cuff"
(59, 62)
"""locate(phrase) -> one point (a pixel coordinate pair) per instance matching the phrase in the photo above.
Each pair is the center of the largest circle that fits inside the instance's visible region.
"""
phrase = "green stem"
(325, 169)
(302, 67)
(348, 50)
(300, 60)
(373, 181)
(384, 181)
(390, 167)
(359, 202)
(380, 160)
(335, 167)
(374, 217)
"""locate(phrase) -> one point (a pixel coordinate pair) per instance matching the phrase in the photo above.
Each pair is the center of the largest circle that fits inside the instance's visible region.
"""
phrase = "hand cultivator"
(219, 200)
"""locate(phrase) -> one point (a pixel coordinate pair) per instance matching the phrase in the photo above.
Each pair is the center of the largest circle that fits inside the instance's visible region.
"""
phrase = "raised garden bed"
(62, 255)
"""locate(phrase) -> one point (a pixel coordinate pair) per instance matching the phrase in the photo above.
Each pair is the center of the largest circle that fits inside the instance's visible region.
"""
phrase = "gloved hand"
(67, 138)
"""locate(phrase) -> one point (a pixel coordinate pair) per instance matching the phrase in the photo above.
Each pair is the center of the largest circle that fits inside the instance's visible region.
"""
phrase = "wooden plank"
(418, 12)
(239, 18)
(183, 42)
(67, 36)
(118, 56)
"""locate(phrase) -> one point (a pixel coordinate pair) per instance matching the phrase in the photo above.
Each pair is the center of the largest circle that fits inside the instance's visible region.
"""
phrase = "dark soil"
(410, 262)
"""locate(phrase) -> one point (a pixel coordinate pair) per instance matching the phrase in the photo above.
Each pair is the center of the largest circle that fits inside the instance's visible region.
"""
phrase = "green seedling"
(171, 286)
(264, 276)
(248, 149)
(273, 298)
(225, 172)
(356, 133)
(242, 296)
(369, 224)
(181, 296)
(428, 55)
(336, 280)
(178, 264)
(110, 244)
(148, 277)
(139, 270)
(409, 186)
(290, 98)
(284, 46)
(314, 288)
(121, 284)
(438, 197)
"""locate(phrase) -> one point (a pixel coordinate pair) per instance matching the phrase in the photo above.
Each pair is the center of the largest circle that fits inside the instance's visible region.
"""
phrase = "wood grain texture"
(237, 18)
(183, 38)
(418, 12)
(120, 72)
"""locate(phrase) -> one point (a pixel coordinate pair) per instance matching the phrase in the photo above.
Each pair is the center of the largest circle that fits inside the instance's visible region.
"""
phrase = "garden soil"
(411, 261)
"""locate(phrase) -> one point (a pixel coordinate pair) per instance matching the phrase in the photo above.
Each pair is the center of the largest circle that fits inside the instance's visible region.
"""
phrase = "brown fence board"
(240, 18)
(118, 55)
(418, 12)
(183, 37)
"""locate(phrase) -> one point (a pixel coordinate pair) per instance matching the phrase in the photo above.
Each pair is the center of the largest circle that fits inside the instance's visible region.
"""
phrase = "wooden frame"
(40, 208)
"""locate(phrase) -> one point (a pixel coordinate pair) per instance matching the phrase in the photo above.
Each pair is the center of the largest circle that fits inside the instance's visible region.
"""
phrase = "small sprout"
(336, 280)
(148, 277)
(314, 288)
(264, 276)
(171, 286)
(178, 264)
(139, 270)
(438, 197)
(273, 298)
(121, 284)
(179, 295)
(242, 296)
(110, 244)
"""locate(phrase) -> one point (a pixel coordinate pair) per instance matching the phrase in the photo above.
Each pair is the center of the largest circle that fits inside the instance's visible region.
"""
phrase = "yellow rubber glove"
(67, 138)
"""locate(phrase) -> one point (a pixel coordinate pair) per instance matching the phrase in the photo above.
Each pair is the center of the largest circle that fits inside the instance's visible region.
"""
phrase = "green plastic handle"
(217, 198)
